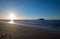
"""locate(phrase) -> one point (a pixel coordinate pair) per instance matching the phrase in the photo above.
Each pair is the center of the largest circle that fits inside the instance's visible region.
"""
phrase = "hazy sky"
(30, 9)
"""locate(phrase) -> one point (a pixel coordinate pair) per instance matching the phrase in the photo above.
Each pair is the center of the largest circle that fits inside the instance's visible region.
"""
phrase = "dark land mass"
(15, 31)
(41, 19)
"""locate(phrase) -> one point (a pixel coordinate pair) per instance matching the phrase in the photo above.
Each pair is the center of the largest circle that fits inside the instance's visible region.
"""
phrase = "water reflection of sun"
(12, 18)
(11, 21)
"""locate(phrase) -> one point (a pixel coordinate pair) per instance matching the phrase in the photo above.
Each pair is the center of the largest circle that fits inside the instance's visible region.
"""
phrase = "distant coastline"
(27, 19)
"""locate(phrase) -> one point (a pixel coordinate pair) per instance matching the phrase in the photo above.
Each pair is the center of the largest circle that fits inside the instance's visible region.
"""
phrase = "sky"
(30, 9)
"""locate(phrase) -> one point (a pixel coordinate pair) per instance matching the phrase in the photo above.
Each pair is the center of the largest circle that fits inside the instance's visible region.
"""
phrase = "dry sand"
(15, 31)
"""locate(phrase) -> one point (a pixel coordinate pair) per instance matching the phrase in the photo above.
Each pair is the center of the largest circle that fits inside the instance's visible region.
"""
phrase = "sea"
(53, 25)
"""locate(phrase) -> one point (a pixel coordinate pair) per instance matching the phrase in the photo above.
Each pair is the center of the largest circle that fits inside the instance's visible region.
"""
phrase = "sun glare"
(12, 18)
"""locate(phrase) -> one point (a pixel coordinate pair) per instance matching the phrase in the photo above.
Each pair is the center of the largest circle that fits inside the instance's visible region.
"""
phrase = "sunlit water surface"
(44, 24)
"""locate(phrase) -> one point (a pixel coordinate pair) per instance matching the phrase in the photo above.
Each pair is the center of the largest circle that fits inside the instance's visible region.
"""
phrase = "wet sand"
(15, 31)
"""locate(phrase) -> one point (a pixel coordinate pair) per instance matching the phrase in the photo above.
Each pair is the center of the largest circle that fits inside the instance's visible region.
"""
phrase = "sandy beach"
(15, 31)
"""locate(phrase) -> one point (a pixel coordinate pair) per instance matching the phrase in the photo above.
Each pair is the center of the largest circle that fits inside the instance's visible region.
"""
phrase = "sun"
(11, 18)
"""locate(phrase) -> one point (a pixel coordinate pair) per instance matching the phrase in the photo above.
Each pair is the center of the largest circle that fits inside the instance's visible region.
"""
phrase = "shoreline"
(26, 32)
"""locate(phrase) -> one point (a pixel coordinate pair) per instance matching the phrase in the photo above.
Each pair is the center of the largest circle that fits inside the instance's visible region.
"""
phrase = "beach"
(15, 31)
